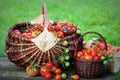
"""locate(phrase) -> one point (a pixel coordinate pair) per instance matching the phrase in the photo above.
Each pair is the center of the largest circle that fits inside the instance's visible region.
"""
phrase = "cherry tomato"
(79, 55)
(75, 77)
(17, 32)
(49, 65)
(58, 77)
(99, 55)
(58, 28)
(58, 71)
(107, 53)
(44, 71)
(93, 53)
(97, 58)
(48, 76)
(89, 52)
(73, 29)
(50, 28)
(60, 34)
(54, 68)
(32, 71)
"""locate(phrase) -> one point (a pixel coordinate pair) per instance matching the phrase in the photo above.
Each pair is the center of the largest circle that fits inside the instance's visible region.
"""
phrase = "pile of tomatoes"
(31, 33)
(47, 70)
(96, 52)
(60, 30)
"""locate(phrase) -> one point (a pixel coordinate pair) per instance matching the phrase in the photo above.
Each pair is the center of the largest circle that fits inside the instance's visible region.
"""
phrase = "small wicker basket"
(90, 68)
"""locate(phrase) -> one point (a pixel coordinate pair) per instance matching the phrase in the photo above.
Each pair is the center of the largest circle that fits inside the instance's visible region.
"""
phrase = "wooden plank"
(9, 71)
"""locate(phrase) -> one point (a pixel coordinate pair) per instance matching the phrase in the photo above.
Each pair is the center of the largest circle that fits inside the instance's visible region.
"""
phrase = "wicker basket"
(23, 52)
(90, 68)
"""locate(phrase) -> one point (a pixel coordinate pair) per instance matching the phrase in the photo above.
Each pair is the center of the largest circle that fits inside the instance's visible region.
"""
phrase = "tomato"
(75, 77)
(95, 49)
(89, 57)
(93, 53)
(79, 55)
(107, 53)
(58, 71)
(58, 28)
(73, 29)
(32, 71)
(97, 58)
(17, 32)
(117, 49)
(32, 30)
(44, 71)
(48, 76)
(54, 68)
(50, 28)
(83, 51)
(49, 65)
(58, 77)
(64, 76)
(60, 34)
(99, 55)
(89, 52)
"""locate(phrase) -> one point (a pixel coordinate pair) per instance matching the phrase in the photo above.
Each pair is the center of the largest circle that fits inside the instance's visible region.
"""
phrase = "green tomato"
(62, 58)
(103, 58)
(105, 62)
(78, 31)
(63, 75)
(66, 50)
(110, 56)
(67, 57)
(67, 64)
(65, 43)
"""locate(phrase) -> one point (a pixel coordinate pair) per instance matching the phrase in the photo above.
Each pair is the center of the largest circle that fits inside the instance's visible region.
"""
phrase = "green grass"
(91, 15)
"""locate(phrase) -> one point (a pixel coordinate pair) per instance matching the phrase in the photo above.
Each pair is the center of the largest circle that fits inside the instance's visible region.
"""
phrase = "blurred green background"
(102, 16)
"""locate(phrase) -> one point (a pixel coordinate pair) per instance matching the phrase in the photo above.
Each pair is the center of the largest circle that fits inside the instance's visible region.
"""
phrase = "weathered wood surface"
(8, 71)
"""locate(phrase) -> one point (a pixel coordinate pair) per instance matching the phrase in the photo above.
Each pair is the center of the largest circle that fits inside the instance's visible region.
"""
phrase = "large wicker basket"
(90, 68)
(23, 52)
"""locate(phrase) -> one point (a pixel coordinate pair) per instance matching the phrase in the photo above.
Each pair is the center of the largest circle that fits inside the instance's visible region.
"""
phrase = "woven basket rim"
(88, 60)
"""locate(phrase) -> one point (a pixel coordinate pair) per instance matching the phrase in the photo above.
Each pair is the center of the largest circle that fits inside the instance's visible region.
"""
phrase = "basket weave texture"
(90, 68)
(23, 52)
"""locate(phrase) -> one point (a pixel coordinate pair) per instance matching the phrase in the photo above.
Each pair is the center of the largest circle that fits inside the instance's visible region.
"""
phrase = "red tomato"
(44, 71)
(79, 55)
(93, 53)
(107, 53)
(54, 68)
(73, 29)
(97, 58)
(99, 55)
(32, 30)
(58, 71)
(60, 34)
(58, 28)
(117, 49)
(48, 76)
(17, 32)
(50, 28)
(49, 65)
(89, 52)
(58, 77)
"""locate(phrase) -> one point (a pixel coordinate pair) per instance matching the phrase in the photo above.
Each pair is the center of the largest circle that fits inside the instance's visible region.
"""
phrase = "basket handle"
(90, 32)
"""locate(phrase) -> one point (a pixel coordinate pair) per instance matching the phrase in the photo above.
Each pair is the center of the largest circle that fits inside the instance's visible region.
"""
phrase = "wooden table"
(8, 71)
